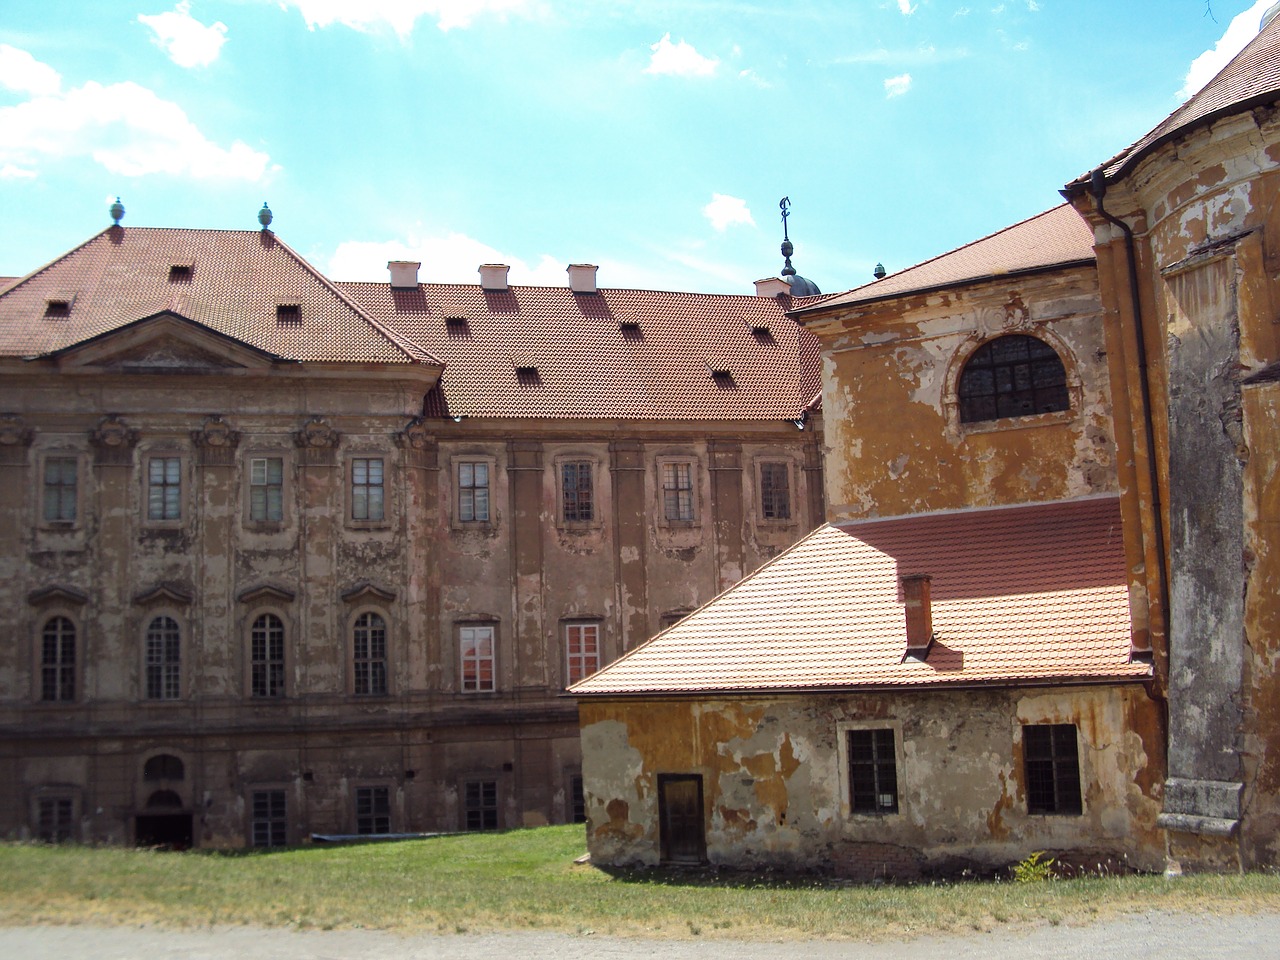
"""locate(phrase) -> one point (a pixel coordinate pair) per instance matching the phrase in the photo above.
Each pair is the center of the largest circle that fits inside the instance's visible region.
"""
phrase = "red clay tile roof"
(237, 279)
(639, 354)
(1023, 594)
(1250, 79)
(1055, 238)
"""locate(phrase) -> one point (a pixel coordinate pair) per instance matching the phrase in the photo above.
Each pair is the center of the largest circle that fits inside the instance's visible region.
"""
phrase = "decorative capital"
(114, 440)
(415, 436)
(317, 434)
(216, 433)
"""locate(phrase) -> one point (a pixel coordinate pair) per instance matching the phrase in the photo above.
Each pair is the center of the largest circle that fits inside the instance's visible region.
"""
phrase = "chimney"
(915, 592)
(404, 274)
(772, 287)
(493, 276)
(582, 277)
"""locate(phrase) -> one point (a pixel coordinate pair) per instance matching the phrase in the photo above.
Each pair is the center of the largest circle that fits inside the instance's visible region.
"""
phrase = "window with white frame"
(476, 645)
(775, 490)
(266, 656)
(576, 491)
(367, 489)
(873, 771)
(473, 491)
(58, 660)
(269, 825)
(163, 659)
(60, 489)
(677, 490)
(582, 650)
(164, 488)
(266, 489)
(369, 655)
(373, 810)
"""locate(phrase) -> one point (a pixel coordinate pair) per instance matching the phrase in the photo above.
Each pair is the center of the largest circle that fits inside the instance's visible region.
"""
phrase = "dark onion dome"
(802, 287)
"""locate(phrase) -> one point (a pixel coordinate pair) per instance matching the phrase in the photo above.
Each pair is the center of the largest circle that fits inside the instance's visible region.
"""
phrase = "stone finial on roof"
(117, 211)
(264, 215)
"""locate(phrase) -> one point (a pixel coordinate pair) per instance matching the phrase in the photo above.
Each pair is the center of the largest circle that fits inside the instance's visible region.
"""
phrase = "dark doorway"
(680, 818)
(169, 831)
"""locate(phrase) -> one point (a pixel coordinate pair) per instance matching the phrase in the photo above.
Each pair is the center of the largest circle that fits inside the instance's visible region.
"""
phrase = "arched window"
(370, 655)
(267, 656)
(1012, 376)
(58, 660)
(164, 676)
(163, 766)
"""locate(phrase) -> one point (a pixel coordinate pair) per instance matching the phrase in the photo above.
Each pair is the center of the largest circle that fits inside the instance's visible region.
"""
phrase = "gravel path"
(1156, 936)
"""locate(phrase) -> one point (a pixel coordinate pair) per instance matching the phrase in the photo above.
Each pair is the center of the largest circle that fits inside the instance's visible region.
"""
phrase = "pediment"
(368, 592)
(166, 343)
(56, 593)
(266, 592)
(166, 591)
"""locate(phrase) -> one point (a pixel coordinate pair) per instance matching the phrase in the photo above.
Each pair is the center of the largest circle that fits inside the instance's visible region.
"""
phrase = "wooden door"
(680, 817)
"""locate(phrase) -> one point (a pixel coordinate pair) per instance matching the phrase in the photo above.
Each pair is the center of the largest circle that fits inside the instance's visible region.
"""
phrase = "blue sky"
(652, 137)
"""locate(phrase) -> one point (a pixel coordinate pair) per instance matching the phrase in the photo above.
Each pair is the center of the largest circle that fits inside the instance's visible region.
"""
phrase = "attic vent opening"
(527, 375)
(723, 379)
(630, 330)
(289, 314)
(180, 273)
(457, 327)
(762, 333)
(58, 309)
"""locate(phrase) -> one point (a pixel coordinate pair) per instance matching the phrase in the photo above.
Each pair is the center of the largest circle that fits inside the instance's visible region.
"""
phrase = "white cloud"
(907, 8)
(124, 127)
(400, 15)
(187, 41)
(1033, 6)
(897, 86)
(451, 258)
(723, 211)
(962, 12)
(1206, 66)
(925, 53)
(22, 72)
(679, 60)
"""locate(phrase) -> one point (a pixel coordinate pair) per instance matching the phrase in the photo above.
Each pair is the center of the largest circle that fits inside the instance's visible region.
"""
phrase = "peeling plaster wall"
(895, 444)
(775, 779)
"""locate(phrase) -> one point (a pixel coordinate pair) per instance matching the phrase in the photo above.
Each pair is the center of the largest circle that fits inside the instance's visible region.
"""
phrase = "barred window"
(373, 810)
(576, 491)
(270, 822)
(367, 500)
(873, 772)
(1052, 760)
(164, 675)
(60, 489)
(267, 656)
(677, 491)
(370, 654)
(1012, 376)
(775, 491)
(58, 660)
(481, 804)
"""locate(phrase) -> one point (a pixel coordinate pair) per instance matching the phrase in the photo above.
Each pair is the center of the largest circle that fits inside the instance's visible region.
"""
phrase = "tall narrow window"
(373, 810)
(481, 803)
(370, 654)
(270, 825)
(677, 491)
(266, 488)
(577, 801)
(366, 488)
(1052, 760)
(477, 659)
(1012, 376)
(576, 491)
(58, 660)
(473, 492)
(60, 489)
(267, 656)
(164, 488)
(164, 675)
(873, 772)
(54, 819)
(582, 650)
(775, 491)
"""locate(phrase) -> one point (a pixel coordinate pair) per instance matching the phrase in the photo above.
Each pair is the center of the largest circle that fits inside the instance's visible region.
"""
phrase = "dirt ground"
(1156, 936)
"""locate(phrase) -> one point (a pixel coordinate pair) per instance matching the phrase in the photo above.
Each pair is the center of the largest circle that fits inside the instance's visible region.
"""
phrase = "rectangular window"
(369, 641)
(482, 804)
(373, 810)
(266, 489)
(58, 660)
(1052, 761)
(775, 491)
(164, 652)
(577, 801)
(582, 650)
(366, 488)
(267, 656)
(270, 825)
(873, 772)
(54, 823)
(677, 491)
(473, 492)
(164, 488)
(60, 489)
(576, 491)
(477, 659)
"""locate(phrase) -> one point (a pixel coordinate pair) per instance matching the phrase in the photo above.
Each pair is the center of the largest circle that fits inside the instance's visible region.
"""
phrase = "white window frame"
(471, 637)
(579, 666)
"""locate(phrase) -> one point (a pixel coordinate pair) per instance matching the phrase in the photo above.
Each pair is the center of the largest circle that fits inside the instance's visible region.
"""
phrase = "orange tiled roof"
(616, 353)
(1033, 593)
(1055, 238)
(1251, 78)
(237, 279)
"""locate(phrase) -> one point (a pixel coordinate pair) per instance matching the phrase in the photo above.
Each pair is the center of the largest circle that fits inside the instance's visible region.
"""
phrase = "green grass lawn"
(527, 880)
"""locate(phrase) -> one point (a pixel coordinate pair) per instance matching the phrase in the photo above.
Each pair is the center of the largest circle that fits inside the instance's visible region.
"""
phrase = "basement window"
(180, 273)
(57, 309)
(289, 314)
